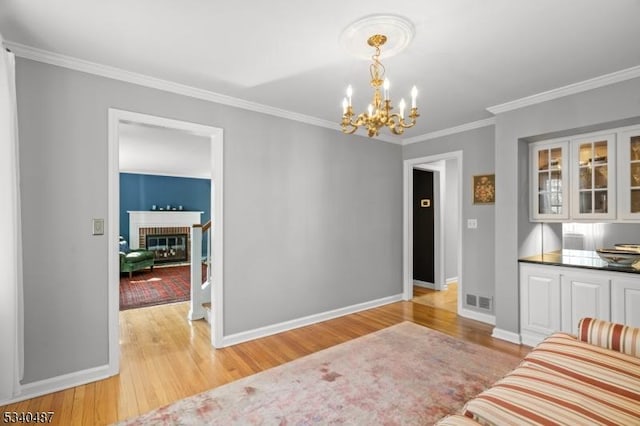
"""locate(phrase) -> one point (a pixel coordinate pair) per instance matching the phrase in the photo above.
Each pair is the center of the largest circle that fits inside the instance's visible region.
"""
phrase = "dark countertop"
(578, 259)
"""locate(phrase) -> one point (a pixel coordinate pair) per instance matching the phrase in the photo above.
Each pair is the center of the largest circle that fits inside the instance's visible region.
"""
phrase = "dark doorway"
(423, 226)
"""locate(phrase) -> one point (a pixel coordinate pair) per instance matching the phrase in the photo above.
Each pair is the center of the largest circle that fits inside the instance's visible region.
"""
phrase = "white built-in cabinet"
(593, 177)
(539, 303)
(550, 180)
(555, 298)
(629, 174)
(593, 187)
(583, 295)
(625, 301)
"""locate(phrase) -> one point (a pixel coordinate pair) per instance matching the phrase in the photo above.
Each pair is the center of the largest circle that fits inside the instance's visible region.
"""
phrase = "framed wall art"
(484, 189)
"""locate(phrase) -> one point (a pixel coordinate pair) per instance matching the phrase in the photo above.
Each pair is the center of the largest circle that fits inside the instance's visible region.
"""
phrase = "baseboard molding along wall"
(245, 336)
(424, 284)
(509, 336)
(478, 316)
(58, 383)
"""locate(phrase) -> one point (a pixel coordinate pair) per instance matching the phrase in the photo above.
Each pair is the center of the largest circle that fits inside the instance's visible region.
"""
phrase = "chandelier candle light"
(379, 111)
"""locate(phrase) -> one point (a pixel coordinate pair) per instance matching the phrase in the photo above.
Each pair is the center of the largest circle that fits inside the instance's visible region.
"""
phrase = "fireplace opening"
(168, 248)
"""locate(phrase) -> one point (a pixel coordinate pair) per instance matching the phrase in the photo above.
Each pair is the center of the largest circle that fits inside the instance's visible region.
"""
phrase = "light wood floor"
(445, 299)
(165, 358)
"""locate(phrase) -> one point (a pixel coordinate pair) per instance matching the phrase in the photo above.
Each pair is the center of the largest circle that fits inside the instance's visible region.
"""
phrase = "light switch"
(98, 226)
(472, 223)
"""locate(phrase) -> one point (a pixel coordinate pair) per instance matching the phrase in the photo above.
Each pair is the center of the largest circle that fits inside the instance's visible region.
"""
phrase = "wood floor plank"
(165, 358)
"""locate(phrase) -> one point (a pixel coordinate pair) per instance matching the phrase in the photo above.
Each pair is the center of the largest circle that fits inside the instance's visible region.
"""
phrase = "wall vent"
(484, 302)
(472, 300)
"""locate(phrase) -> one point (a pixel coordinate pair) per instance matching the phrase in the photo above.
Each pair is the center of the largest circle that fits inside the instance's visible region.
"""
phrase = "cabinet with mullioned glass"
(593, 186)
(629, 174)
(550, 180)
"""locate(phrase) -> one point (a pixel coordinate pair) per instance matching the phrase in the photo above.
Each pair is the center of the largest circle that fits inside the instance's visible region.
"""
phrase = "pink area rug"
(405, 374)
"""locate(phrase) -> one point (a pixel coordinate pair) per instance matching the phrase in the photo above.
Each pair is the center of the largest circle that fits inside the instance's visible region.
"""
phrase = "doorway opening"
(119, 122)
(432, 259)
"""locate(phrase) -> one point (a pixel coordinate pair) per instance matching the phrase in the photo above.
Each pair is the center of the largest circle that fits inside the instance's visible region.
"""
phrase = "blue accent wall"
(139, 192)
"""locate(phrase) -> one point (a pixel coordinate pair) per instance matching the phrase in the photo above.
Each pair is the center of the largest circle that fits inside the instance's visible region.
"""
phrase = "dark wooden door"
(423, 226)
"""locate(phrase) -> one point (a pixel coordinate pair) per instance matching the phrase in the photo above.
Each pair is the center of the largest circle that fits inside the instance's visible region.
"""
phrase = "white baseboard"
(65, 381)
(257, 333)
(452, 280)
(424, 284)
(478, 316)
(509, 336)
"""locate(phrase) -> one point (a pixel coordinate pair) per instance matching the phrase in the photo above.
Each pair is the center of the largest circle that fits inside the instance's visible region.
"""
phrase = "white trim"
(407, 238)
(217, 237)
(65, 381)
(269, 330)
(571, 89)
(161, 173)
(452, 280)
(438, 169)
(76, 64)
(424, 284)
(509, 336)
(120, 74)
(113, 232)
(450, 131)
(216, 135)
(478, 316)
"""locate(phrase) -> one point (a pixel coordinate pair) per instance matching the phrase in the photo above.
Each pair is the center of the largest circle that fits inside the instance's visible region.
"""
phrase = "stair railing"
(200, 289)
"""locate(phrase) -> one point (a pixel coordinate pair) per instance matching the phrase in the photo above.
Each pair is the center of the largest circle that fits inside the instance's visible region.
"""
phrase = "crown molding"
(571, 89)
(76, 64)
(450, 131)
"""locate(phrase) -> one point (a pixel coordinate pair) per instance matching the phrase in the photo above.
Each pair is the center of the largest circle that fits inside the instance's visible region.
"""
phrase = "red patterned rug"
(403, 375)
(157, 287)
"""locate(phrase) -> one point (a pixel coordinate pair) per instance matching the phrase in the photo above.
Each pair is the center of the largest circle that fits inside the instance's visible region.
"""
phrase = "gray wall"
(313, 218)
(478, 158)
(588, 111)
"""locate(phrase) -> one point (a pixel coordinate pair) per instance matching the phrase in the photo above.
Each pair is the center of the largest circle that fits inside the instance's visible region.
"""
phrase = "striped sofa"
(592, 378)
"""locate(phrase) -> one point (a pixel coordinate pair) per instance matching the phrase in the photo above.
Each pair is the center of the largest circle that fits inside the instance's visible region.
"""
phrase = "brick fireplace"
(165, 228)
(171, 244)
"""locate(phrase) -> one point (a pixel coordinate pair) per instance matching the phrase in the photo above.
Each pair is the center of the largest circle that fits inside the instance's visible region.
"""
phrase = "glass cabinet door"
(549, 180)
(629, 174)
(593, 185)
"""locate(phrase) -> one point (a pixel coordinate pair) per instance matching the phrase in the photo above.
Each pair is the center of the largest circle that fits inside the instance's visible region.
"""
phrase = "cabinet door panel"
(625, 301)
(549, 176)
(540, 293)
(629, 174)
(593, 160)
(584, 296)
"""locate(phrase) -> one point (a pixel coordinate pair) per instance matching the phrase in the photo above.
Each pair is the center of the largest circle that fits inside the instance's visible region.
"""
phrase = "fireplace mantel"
(159, 219)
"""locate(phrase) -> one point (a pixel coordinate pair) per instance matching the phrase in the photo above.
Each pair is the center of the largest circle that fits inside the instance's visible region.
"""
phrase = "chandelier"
(379, 111)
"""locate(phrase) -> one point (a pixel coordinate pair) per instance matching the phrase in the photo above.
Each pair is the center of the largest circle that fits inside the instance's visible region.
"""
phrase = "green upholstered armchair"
(134, 260)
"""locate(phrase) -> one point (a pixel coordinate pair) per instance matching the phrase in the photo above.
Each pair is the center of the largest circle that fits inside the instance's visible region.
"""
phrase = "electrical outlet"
(98, 226)
(472, 223)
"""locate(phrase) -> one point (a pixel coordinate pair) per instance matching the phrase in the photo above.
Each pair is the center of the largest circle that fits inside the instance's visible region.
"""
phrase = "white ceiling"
(162, 151)
(467, 55)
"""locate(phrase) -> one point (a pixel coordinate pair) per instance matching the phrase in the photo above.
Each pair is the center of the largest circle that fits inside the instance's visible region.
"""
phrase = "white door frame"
(216, 136)
(439, 279)
(407, 251)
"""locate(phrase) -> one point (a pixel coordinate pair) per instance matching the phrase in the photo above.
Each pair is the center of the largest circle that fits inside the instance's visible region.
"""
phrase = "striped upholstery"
(617, 337)
(564, 381)
(457, 420)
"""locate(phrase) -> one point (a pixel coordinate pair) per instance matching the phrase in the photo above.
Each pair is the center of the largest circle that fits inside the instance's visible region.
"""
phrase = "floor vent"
(472, 300)
(484, 302)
